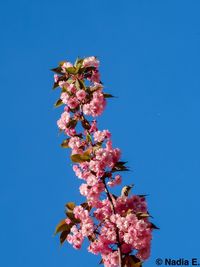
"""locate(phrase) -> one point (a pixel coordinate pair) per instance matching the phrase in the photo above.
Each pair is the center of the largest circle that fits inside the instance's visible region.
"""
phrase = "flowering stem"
(113, 208)
(115, 226)
(117, 230)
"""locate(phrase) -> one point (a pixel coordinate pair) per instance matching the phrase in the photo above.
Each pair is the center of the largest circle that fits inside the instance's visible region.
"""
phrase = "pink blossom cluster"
(116, 227)
(103, 159)
(134, 233)
(64, 120)
(85, 228)
(75, 95)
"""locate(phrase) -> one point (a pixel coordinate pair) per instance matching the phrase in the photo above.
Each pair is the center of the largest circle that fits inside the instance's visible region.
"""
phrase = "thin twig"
(117, 230)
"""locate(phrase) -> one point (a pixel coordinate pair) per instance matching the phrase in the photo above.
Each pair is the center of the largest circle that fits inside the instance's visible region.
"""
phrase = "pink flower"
(92, 180)
(95, 76)
(63, 84)
(111, 259)
(100, 136)
(64, 97)
(66, 65)
(96, 105)
(91, 62)
(87, 228)
(116, 181)
(75, 240)
(77, 171)
(81, 94)
(74, 142)
(96, 86)
(99, 246)
(72, 102)
(78, 212)
(70, 131)
(144, 253)
(71, 88)
(109, 232)
(126, 248)
(84, 189)
(62, 122)
(66, 108)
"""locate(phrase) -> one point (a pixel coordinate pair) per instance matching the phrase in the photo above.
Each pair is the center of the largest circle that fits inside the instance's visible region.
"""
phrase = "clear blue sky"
(150, 59)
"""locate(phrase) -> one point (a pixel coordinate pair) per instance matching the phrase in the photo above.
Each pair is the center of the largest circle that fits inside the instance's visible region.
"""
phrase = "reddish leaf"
(63, 236)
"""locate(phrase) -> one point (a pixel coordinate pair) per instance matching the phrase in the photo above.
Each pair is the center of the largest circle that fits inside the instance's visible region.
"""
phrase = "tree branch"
(117, 230)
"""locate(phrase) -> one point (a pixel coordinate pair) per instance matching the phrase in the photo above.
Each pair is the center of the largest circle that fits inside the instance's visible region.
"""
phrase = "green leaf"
(63, 236)
(71, 70)
(86, 206)
(119, 163)
(65, 143)
(71, 216)
(85, 124)
(90, 68)
(72, 123)
(86, 70)
(153, 226)
(78, 64)
(78, 61)
(55, 85)
(70, 205)
(58, 103)
(95, 88)
(78, 68)
(107, 95)
(138, 264)
(57, 70)
(81, 84)
(131, 261)
(78, 158)
(62, 226)
(61, 63)
(141, 215)
(88, 138)
(77, 84)
(142, 196)
(119, 166)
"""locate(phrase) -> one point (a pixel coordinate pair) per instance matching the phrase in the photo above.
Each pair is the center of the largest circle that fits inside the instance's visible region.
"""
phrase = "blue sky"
(149, 52)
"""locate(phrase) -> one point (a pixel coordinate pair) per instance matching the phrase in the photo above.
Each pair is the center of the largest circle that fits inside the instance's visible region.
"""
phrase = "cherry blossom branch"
(117, 227)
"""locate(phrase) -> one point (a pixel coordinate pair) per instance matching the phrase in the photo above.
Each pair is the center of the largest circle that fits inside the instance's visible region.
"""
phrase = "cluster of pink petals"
(92, 193)
(86, 227)
(91, 62)
(100, 136)
(87, 224)
(91, 172)
(64, 120)
(104, 158)
(96, 105)
(75, 237)
(111, 259)
(67, 64)
(115, 181)
(135, 234)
